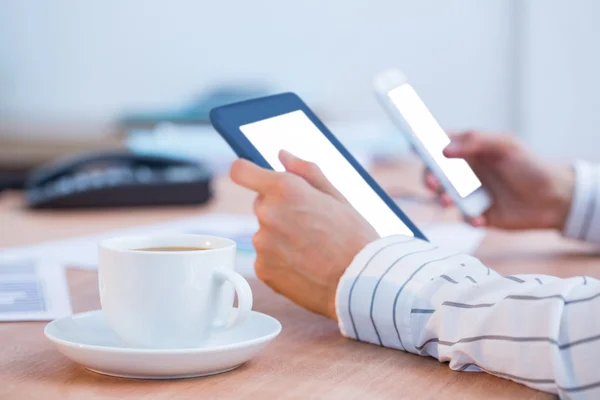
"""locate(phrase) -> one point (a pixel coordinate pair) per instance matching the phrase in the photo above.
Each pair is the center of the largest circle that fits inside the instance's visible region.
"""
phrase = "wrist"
(331, 307)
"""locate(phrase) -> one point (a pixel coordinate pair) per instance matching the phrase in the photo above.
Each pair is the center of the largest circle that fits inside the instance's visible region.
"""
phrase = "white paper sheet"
(83, 251)
(460, 237)
(32, 290)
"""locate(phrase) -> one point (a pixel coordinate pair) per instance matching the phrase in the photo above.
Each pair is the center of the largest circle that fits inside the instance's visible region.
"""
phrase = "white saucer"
(86, 339)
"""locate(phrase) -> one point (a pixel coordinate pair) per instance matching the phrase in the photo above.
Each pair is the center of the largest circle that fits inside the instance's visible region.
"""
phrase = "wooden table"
(309, 360)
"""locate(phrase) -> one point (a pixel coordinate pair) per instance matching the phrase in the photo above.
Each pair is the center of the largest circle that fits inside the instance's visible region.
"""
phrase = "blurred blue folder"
(197, 111)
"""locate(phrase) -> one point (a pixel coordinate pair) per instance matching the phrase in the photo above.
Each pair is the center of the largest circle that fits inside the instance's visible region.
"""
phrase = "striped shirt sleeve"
(541, 331)
(583, 221)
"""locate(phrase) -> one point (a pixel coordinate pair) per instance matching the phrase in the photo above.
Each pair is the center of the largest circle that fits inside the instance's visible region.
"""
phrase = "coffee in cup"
(174, 248)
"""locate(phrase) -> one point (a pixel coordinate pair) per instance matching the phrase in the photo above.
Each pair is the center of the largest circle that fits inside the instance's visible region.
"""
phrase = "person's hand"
(308, 233)
(527, 192)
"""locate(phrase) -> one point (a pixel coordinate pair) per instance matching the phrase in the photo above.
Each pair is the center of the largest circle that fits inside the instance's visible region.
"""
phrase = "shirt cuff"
(374, 296)
(583, 219)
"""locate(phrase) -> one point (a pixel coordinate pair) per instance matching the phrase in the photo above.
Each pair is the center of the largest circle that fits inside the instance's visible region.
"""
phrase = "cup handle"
(244, 295)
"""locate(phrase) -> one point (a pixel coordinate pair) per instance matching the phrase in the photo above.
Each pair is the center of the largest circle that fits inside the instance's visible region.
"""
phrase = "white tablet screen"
(296, 133)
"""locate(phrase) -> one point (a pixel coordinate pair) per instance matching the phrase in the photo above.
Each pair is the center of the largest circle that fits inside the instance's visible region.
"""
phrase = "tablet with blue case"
(259, 129)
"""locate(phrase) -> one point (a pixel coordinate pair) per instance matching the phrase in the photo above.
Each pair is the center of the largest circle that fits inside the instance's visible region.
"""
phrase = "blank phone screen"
(296, 133)
(434, 139)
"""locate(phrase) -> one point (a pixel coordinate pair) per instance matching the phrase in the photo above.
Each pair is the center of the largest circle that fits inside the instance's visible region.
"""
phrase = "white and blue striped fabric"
(541, 331)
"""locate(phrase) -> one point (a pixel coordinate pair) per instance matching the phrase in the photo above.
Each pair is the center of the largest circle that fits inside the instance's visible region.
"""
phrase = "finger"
(310, 172)
(474, 144)
(251, 176)
(432, 183)
(478, 221)
(446, 200)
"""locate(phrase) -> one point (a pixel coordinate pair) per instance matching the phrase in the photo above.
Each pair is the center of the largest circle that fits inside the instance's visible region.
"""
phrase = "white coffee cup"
(170, 299)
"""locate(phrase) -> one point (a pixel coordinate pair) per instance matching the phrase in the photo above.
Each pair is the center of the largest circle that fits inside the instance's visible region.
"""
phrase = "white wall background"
(560, 77)
(64, 59)
(530, 66)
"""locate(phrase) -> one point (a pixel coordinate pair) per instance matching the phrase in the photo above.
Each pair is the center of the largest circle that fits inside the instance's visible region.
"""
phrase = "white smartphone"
(428, 139)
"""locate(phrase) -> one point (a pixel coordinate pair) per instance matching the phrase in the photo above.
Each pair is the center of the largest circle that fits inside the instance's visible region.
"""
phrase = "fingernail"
(287, 155)
(284, 153)
(453, 147)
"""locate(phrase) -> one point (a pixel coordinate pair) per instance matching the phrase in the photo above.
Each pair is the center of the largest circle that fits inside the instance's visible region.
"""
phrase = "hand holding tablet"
(259, 129)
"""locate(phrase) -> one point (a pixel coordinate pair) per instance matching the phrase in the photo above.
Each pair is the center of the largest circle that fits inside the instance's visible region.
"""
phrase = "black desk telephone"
(117, 179)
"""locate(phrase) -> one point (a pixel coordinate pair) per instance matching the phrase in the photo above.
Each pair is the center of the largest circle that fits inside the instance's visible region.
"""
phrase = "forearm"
(536, 330)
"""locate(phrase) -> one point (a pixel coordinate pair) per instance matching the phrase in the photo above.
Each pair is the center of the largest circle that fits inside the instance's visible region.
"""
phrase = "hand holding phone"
(528, 192)
(428, 139)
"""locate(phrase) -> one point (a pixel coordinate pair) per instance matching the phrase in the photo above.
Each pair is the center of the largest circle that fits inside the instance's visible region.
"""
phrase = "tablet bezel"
(228, 119)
